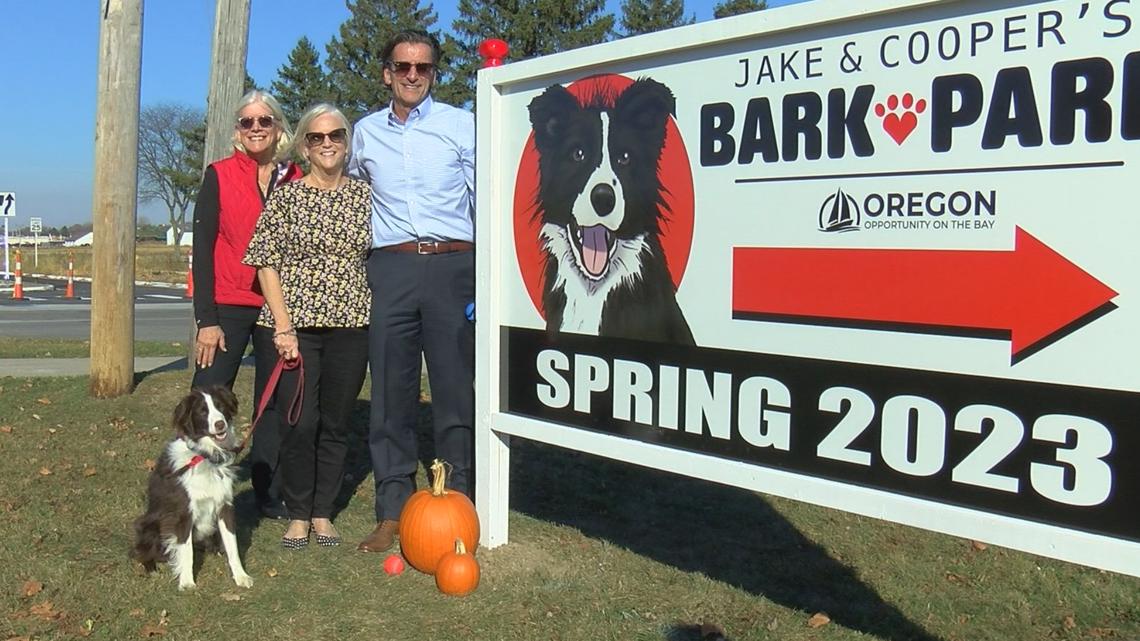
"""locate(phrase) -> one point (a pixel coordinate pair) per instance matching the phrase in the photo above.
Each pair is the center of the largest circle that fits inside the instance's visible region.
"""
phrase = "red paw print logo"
(897, 126)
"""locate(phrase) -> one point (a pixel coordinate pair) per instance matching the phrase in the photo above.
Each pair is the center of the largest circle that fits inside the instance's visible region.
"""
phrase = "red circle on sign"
(673, 172)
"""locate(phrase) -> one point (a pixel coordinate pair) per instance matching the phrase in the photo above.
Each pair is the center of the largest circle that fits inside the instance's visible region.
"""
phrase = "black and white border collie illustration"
(190, 497)
(600, 204)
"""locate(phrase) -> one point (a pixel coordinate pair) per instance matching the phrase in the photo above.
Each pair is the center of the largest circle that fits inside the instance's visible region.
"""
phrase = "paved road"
(161, 314)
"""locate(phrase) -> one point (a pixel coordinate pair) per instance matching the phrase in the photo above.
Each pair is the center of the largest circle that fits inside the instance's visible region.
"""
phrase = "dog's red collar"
(194, 460)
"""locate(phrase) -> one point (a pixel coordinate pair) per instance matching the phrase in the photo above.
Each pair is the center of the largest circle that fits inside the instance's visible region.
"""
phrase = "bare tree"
(168, 172)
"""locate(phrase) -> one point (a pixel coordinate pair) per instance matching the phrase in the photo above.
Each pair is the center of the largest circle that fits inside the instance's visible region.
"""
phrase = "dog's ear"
(225, 400)
(184, 415)
(646, 105)
(550, 113)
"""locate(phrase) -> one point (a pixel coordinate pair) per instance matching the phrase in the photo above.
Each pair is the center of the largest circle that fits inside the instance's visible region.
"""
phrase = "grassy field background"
(154, 261)
(19, 347)
(599, 550)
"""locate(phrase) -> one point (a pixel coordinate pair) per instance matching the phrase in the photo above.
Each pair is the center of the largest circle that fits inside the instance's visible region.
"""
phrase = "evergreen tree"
(647, 16)
(737, 7)
(301, 82)
(354, 59)
(531, 27)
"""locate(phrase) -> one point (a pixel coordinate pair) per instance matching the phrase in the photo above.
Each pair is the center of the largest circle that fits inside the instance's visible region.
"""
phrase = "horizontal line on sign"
(942, 172)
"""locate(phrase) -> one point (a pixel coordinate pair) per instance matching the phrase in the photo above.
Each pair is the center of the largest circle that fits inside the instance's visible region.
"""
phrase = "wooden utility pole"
(227, 76)
(115, 197)
(227, 82)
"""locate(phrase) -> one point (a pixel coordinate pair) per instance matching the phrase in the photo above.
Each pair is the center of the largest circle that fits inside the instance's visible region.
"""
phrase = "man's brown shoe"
(381, 538)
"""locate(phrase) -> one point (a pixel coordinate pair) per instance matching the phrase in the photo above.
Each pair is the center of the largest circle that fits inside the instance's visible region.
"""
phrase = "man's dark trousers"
(419, 303)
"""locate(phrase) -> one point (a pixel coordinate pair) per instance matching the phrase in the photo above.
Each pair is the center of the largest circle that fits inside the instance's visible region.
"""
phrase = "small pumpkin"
(458, 572)
(431, 521)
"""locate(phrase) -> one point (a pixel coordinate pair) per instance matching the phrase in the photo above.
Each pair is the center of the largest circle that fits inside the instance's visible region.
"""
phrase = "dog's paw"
(243, 580)
(186, 585)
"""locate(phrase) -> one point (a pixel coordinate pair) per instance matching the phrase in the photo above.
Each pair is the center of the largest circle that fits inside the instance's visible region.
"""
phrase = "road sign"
(37, 225)
(7, 204)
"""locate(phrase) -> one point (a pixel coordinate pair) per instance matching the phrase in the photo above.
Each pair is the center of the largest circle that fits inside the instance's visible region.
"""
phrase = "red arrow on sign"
(1028, 294)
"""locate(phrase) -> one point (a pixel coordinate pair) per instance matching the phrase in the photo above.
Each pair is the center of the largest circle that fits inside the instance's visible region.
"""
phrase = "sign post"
(842, 254)
(37, 227)
(7, 210)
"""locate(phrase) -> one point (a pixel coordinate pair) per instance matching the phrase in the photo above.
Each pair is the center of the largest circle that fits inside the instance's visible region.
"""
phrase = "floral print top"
(318, 241)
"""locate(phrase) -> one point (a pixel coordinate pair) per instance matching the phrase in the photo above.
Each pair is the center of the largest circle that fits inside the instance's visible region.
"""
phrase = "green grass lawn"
(13, 347)
(599, 550)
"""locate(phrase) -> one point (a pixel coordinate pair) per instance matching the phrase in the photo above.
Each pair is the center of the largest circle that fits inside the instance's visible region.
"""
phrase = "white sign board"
(7, 204)
(877, 256)
(37, 225)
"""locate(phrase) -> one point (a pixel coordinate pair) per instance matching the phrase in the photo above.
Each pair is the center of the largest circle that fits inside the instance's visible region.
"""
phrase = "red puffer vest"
(239, 206)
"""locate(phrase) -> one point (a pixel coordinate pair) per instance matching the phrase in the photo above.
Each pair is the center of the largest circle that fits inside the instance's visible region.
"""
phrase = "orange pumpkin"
(458, 572)
(431, 521)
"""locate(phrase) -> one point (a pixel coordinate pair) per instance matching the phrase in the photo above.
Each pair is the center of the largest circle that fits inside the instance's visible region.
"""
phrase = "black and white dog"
(600, 204)
(190, 497)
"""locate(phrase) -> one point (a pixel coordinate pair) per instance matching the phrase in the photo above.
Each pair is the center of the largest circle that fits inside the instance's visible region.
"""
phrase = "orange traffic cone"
(70, 291)
(189, 274)
(18, 290)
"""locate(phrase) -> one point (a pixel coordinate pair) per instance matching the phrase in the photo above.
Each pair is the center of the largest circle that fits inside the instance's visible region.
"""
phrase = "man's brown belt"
(431, 246)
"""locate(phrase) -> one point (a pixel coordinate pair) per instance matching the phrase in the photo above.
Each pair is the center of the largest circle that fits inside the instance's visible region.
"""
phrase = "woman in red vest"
(227, 298)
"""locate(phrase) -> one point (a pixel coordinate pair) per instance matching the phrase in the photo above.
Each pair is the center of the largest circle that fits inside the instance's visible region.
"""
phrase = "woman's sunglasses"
(265, 121)
(402, 68)
(316, 138)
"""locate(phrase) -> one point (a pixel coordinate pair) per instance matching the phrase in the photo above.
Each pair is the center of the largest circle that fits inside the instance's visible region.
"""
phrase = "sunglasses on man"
(403, 68)
(265, 121)
(317, 138)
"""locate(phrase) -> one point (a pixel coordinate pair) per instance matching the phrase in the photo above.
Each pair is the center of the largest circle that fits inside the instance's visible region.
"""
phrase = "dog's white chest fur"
(208, 486)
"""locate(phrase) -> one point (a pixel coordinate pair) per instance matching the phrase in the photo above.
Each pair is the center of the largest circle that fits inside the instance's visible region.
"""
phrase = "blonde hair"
(306, 121)
(257, 95)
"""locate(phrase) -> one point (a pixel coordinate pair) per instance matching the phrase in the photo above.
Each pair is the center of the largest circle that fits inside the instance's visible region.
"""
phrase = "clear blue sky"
(48, 58)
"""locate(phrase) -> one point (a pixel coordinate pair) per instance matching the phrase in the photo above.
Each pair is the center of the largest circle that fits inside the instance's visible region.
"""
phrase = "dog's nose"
(602, 198)
(219, 426)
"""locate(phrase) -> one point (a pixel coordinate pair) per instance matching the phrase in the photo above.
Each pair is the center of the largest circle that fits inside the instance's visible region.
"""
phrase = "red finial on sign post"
(493, 51)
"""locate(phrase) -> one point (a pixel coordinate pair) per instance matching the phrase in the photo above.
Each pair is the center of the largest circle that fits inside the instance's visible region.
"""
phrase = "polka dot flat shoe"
(327, 541)
(290, 543)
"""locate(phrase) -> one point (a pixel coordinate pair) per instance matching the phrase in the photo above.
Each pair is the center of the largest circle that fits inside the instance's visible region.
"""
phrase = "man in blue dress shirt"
(419, 156)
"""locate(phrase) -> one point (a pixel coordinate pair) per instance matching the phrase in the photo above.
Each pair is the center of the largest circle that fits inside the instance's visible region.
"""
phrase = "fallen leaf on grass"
(43, 401)
(818, 620)
(151, 630)
(87, 628)
(45, 471)
(18, 639)
(957, 578)
(1102, 633)
(89, 471)
(6, 429)
(230, 596)
(978, 546)
(137, 612)
(1069, 622)
(773, 624)
(37, 417)
(45, 611)
(150, 464)
(32, 587)
(271, 572)
(51, 430)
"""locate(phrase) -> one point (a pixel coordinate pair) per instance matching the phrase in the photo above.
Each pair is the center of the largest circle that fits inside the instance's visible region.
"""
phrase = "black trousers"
(313, 450)
(419, 305)
(239, 325)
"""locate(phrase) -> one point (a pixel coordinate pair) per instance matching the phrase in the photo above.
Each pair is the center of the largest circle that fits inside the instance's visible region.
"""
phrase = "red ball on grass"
(393, 565)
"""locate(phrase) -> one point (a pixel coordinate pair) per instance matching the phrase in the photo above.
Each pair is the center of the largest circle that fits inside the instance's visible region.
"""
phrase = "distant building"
(86, 240)
(187, 238)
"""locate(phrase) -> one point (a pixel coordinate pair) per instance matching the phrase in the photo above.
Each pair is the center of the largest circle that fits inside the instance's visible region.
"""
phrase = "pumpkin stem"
(460, 549)
(438, 477)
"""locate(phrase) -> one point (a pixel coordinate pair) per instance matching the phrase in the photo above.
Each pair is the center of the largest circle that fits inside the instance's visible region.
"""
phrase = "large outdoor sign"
(878, 256)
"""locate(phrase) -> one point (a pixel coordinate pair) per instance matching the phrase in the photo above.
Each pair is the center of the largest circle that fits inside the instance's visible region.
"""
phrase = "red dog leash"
(293, 413)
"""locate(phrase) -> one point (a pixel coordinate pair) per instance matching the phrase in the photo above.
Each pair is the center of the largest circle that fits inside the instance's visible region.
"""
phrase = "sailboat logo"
(839, 213)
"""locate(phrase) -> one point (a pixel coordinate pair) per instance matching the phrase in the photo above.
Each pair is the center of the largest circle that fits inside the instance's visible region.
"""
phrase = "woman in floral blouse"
(310, 247)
